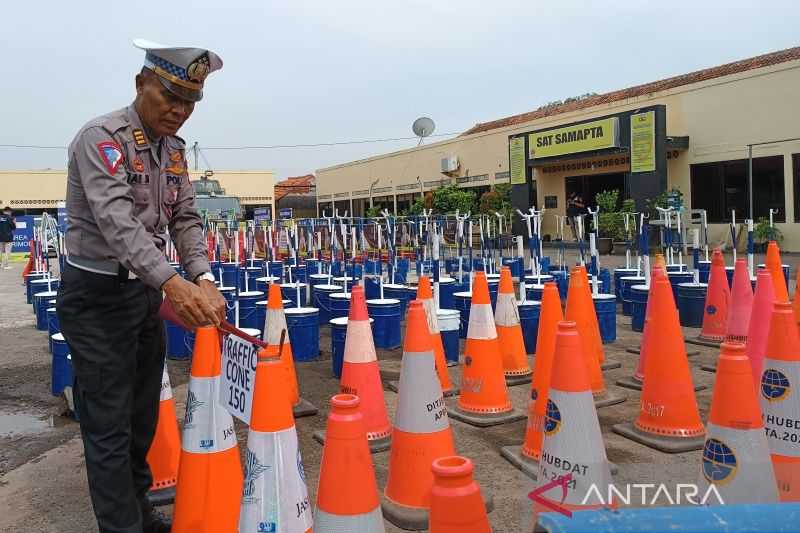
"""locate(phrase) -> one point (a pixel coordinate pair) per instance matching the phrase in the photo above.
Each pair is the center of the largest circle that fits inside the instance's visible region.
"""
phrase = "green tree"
(451, 198)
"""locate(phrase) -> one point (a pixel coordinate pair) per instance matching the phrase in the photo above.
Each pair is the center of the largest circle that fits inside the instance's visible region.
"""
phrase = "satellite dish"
(423, 127)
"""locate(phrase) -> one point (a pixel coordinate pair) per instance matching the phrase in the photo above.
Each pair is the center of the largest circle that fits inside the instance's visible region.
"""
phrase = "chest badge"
(138, 165)
(178, 165)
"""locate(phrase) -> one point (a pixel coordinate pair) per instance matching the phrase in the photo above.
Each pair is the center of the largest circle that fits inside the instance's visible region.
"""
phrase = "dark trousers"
(117, 344)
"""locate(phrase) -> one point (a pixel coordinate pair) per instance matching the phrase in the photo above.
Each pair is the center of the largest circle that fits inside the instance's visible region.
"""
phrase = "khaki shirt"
(123, 192)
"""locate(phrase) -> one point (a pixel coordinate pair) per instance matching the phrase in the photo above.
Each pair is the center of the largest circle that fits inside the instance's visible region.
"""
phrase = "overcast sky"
(314, 71)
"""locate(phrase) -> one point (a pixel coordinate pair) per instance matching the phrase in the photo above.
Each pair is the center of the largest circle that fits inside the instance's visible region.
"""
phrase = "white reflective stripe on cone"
(420, 405)
(481, 322)
(507, 314)
(207, 426)
(274, 497)
(358, 344)
(780, 403)
(166, 387)
(739, 465)
(273, 325)
(430, 314)
(371, 522)
(574, 445)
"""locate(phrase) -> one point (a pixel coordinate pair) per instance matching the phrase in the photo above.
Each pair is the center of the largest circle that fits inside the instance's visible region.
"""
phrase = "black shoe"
(155, 521)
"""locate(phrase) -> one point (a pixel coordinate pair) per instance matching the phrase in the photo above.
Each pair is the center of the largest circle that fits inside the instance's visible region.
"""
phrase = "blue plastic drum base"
(320, 296)
(463, 302)
(625, 291)
(529, 313)
(449, 323)
(605, 306)
(176, 342)
(289, 292)
(398, 292)
(534, 292)
(386, 328)
(618, 273)
(675, 279)
(339, 304)
(691, 304)
(639, 306)
(303, 326)
(230, 274)
(248, 316)
(514, 264)
(704, 267)
(61, 376)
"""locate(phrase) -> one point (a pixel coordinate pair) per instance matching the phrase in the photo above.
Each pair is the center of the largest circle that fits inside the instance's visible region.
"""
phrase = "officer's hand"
(214, 297)
(190, 302)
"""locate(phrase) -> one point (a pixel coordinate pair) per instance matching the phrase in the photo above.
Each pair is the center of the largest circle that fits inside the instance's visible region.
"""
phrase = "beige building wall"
(42, 189)
(721, 116)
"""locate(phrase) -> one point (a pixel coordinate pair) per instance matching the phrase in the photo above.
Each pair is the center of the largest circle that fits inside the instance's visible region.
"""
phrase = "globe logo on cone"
(775, 386)
(552, 419)
(252, 471)
(719, 461)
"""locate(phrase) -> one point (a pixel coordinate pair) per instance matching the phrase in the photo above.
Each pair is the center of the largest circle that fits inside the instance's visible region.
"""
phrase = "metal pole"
(750, 177)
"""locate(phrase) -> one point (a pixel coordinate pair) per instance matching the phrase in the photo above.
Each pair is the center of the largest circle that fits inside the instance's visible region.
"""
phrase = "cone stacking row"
(275, 497)
(210, 476)
(741, 304)
(509, 333)
(715, 314)
(526, 457)
(165, 451)
(421, 432)
(668, 418)
(361, 375)
(425, 295)
(274, 325)
(347, 494)
(571, 431)
(780, 400)
(456, 502)
(484, 399)
(736, 457)
(758, 330)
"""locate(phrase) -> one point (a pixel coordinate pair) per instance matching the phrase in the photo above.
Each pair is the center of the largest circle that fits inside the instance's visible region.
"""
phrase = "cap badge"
(198, 70)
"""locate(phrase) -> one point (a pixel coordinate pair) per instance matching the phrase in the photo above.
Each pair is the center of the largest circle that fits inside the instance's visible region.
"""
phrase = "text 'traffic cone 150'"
(780, 400)
(509, 332)
(210, 475)
(758, 331)
(775, 266)
(421, 430)
(715, 316)
(425, 295)
(741, 304)
(668, 418)
(274, 326)
(526, 457)
(736, 454)
(573, 443)
(165, 452)
(347, 494)
(456, 502)
(361, 374)
(484, 397)
(274, 496)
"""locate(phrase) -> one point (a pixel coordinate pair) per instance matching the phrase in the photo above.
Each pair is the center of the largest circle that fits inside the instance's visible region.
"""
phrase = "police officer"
(127, 183)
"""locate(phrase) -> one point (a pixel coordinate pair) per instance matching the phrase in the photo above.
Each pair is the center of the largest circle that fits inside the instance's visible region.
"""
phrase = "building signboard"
(516, 157)
(583, 137)
(643, 142)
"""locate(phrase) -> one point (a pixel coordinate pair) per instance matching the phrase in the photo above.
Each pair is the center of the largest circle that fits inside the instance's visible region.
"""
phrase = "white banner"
(238, 376)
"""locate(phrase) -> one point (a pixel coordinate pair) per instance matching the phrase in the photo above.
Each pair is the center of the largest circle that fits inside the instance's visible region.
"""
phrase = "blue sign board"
(261, 214)
(285, 212)
(23, 233)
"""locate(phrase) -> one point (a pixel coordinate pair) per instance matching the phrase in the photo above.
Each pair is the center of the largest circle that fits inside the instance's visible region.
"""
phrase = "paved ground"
(42, 478)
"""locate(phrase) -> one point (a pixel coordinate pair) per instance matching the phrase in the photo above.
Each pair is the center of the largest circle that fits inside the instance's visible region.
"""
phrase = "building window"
(405, 201)
(324, 209)
(721, 187)
(360, 206)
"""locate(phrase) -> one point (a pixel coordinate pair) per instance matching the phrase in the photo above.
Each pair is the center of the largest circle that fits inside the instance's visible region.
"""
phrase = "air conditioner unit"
(450, 163)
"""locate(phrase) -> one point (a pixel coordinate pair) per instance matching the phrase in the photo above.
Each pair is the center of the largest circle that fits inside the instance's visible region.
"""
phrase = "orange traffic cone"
(775, 266)
(741, 304)
(572, 432)
(758, 330)
(796, 301)
(421, 430)
(526, 457)
(509, 333)
(275, 497)
(581, 311)
(347, 494)
(715, 317)
(484, 397)
(736, 454)
(165, 452)
(361, 375)
(274, 327)
(594, 330)
(210, 475)
(668, 417)
(425, 295)
(780, 400)
(635, 382)
(660, 264)
(456, 502)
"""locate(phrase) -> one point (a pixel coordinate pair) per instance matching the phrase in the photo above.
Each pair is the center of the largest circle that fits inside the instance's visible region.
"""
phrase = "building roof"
(773, 58)
(295, 185)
